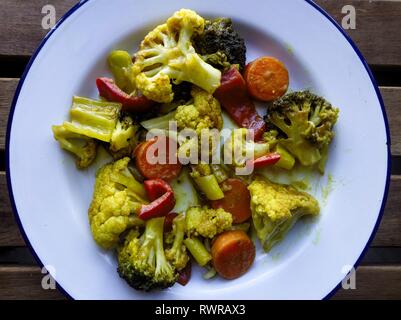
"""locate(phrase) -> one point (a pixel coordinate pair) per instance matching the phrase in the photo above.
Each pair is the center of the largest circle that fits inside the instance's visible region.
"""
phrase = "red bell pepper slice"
(162, 196)
(168, 221)
(185, 274)
(109, 90)
(267, 160)
(233, 96)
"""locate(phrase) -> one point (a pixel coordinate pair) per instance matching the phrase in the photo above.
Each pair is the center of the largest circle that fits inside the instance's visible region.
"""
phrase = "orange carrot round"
(267, 79)
(233, 253)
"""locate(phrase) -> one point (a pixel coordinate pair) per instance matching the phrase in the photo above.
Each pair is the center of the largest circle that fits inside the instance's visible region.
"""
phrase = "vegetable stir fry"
(180, 186)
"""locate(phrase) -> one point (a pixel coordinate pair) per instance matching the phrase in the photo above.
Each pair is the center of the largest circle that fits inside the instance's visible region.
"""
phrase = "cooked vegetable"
(206, 181)
(305, 122)
(130, 102)
(266, 160)
(198, 251)
(93, 119)
(168, 170)
(120, 64)
(82, 147)
(234, 98)
(233, 254)
(220, 36)
(203, 113)
(168, 221)
(185, 274)
(219, 172)
(205, 222)
(166, 54)
(242, 226)
(236, 200)
(142, 261)
(276, 208)
(162, 196)
(123, 139)
(210, 187)
(287, 161)
(242, 149)
(177, 253)
(218, 60)
(184, 192)
(266, 78)
(117, 198)
(161, 122)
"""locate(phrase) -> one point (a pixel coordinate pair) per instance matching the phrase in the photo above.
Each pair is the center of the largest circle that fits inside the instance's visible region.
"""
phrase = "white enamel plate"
(50, 197)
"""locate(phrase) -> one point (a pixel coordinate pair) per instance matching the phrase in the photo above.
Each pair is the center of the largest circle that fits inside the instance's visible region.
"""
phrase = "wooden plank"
(372, 282)
(24, 282)
(23, 20)
(392, 101)
(7, 89)
(391, 96)
(377, 20)
(389, 232)
(9, 231)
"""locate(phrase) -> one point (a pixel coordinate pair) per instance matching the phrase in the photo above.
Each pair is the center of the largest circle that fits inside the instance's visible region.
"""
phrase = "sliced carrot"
(233, 253)
(237, 200)
(167, 171)
(267, 79)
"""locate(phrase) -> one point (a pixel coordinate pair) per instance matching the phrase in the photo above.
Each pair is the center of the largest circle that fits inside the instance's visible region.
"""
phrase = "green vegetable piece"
(120, 64)
(93, 119)
(287, 161)
(210, 187)
(198, 251)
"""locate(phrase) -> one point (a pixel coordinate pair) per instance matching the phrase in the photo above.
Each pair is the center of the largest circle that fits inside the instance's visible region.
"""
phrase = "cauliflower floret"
(204, 113)
(167, 54)
(276, 208)
(117, 197)
(205, 222)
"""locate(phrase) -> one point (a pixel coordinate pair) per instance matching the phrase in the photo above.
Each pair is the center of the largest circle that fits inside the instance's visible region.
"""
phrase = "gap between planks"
(24, 282)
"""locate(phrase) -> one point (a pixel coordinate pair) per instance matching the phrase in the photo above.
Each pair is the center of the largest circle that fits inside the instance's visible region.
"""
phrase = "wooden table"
(378, 35)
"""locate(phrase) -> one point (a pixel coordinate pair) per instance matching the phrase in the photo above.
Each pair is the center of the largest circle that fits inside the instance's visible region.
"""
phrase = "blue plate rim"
(83, 2)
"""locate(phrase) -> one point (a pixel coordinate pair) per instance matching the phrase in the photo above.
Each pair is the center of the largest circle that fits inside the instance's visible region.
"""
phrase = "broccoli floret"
(93, 119)
(206, 222)
(276, 208)
(117, 198)
(166, 54)
(82, 147)
(142, 261)
(177, 254)
(218, 60)
(219, 35)
(124, 138)
(305, 122)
